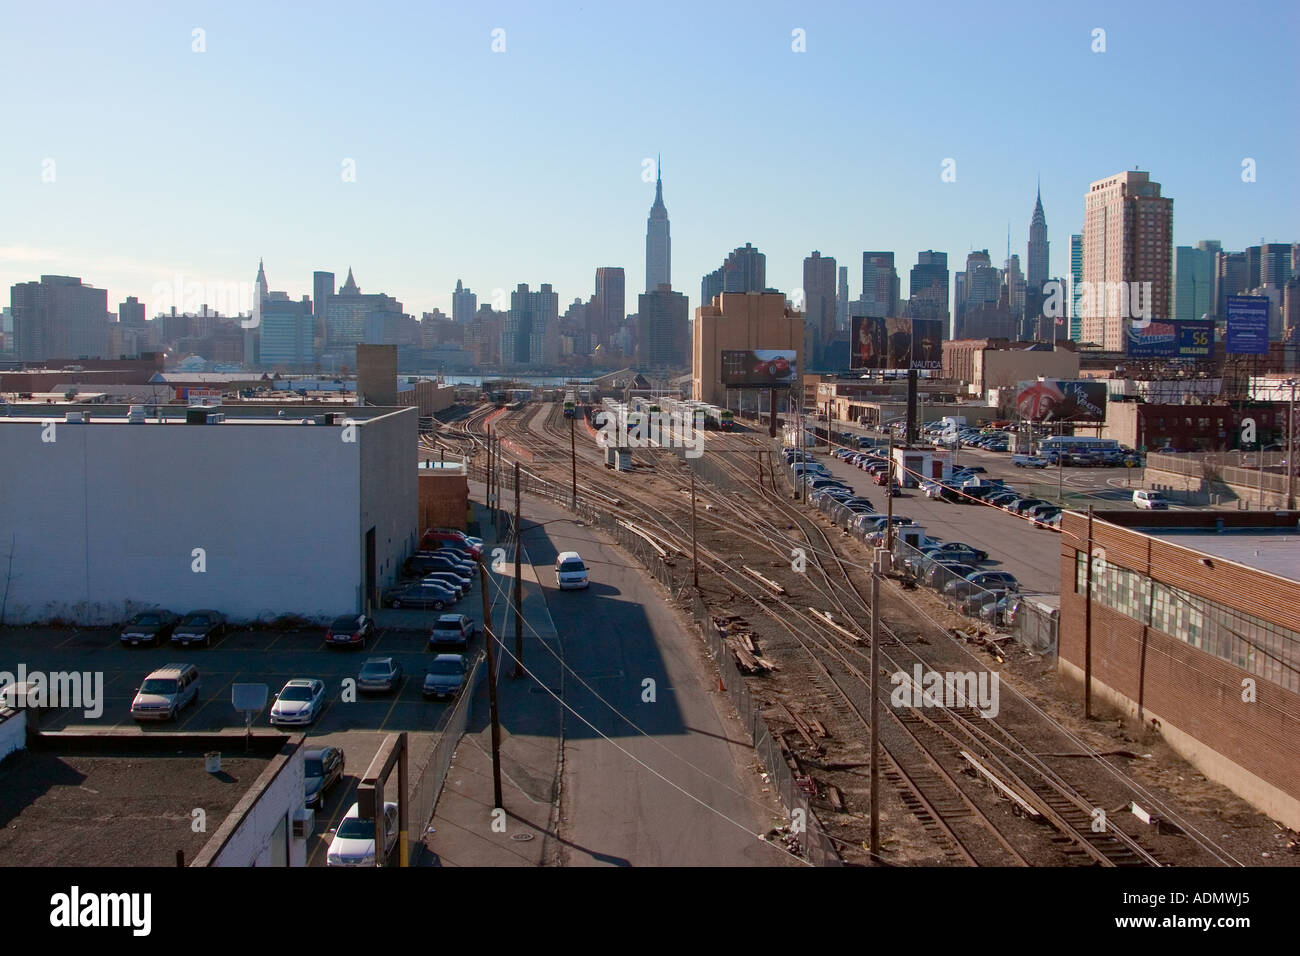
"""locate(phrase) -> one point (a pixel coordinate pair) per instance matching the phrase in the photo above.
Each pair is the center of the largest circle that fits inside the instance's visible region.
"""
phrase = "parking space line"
(397, 698)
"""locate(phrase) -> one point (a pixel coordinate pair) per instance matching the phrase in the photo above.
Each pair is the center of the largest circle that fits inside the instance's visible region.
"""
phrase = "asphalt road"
(624, 643)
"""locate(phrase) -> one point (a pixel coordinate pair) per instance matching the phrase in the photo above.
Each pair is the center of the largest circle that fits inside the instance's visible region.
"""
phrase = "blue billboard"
(1247, 325)
(1195, 339)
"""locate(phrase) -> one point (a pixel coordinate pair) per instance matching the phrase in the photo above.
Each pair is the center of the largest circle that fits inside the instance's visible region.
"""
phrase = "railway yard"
(1032, 785)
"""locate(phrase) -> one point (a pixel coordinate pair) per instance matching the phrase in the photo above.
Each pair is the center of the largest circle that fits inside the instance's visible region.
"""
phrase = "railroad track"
(930, 753)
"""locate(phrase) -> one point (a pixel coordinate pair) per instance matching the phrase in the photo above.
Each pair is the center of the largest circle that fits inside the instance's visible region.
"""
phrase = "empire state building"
(658, 247)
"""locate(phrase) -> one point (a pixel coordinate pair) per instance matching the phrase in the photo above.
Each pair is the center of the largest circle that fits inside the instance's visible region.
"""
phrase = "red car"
(434, 539)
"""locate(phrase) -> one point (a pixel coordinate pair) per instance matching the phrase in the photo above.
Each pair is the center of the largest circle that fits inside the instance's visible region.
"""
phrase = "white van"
(1152, 500)
(166, 692)
(570, 572)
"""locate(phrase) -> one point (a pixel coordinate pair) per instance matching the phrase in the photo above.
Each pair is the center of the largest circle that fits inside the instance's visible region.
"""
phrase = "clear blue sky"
(525, 166)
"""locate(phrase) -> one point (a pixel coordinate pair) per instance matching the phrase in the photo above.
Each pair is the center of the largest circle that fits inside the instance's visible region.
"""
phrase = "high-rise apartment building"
(131, 313)
(1127, 250)
(59, 317)
(658, 242)
(819, 275)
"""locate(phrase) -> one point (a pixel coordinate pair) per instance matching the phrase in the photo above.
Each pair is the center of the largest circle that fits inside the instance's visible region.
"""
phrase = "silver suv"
(166, 692)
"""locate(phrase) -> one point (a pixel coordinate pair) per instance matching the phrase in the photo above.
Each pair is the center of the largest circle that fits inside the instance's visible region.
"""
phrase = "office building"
(1037, 258)
(1231, 275)
(819, 276)
(322, 287)
(348, 310)
(608, 305)
(464, 304)
(842, 301)
(880, 287)
(1127, 252)
(1193, 282)
(928, 288)
(658, 243)
(531, 333)
(59, 317)
(131, 313)
(744, 270)
(663, 329)
(288, 333)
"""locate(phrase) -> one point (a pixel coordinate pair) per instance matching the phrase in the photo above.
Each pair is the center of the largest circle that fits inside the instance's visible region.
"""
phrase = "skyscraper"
(658, 244)
(1076, 286)
(927, 289)
(1015, 280)
(745, 270)
(59, 317)
(1127, 245)
(262, 287)
(1274, 263)
(1231, 277)
(608, 306)
(1193, 282)
(287, 333)
(663, 329)
(531, 332)
(842, 301)
(322, 287)
(879, 285)
(1036, 259)
(819, 307)
(464, 304)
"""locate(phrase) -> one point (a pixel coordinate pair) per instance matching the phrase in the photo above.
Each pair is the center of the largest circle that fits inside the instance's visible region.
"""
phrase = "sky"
(151, 142)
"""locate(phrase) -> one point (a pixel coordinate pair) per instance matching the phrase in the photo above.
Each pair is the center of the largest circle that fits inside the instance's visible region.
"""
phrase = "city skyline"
(446, 217)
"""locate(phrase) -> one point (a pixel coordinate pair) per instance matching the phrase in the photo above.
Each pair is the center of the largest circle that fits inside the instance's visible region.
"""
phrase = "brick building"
(1195, 632)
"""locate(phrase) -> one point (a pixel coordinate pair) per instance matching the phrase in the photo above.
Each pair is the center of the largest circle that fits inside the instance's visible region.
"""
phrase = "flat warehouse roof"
(1276, 553)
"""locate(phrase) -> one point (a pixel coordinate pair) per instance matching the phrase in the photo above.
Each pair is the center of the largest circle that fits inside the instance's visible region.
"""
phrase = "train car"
(570, 406)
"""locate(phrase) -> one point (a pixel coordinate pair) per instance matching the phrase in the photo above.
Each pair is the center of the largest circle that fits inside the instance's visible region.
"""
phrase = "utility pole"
(573, 459)
(1087, 631)
(695, 554)
(889, 498)
(1290, 450)
(881, 562)
(519, 621)
(488, 466)
(489, 639)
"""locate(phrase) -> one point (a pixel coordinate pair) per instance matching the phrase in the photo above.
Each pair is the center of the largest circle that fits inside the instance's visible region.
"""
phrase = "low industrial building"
(1193, 630)
(253, 511)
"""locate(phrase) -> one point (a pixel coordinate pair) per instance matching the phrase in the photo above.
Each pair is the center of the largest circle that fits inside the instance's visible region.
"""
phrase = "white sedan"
(354, 840)
(299, 703)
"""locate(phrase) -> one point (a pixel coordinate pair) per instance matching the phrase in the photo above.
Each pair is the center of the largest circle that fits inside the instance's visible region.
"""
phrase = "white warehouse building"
(256, 512)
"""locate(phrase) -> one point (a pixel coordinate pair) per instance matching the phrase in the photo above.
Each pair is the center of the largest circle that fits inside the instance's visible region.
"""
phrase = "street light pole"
(1290, 450)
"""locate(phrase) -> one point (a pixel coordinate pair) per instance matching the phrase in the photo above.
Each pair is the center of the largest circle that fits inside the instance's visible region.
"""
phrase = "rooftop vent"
(77, 418)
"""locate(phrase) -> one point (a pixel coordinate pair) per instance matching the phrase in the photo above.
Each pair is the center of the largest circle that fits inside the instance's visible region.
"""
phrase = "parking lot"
(261, 657)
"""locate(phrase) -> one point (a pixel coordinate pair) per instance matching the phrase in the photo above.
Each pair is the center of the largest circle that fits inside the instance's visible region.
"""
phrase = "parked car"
(199, 627)
(350, 630)
(453, 629)
(1054, 522)
(1003, 498)
(435, 539)
(149, 627)
(940, 573)
(961, 549)
(354, 840)
(379, 674)
(450, 580)
(1029, 461)
(1044, 510)
(299, 702)
(423, 594)
(974, 603)
(166, 692)
(996, 612)
(422, 564)
(461, 558)
(961, 588)
(1021, 505)
(446, 675)
(322, 768)
(1151, 500)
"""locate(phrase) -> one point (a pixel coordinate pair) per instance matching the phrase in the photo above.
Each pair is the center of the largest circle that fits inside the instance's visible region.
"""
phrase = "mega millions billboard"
(1058, 400)
(1182, 340)
(896, 343)
(758, 368)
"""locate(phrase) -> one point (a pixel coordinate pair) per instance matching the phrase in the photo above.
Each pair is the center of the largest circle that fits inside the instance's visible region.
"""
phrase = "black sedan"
(323, 768)
(149, 627)
(199, 627)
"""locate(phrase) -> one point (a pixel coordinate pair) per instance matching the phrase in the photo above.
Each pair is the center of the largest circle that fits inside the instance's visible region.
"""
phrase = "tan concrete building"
(990, 363)
(1128, 230)
(739, 320)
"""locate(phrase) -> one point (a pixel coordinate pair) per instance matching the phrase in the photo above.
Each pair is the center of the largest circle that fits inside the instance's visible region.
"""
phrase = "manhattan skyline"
(240, 154)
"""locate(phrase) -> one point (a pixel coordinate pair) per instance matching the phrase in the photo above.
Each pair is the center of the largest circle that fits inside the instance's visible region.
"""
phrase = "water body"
(550, 381)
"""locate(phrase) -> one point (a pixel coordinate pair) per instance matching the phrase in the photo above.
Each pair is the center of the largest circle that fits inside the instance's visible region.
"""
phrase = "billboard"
(1057, 400)
(896, 343)
(759, 368)
(1184, 340)
(1247, 325)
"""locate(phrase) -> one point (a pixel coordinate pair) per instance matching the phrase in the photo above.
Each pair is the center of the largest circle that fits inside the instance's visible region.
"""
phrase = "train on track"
(570, 405)
(715, 418)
